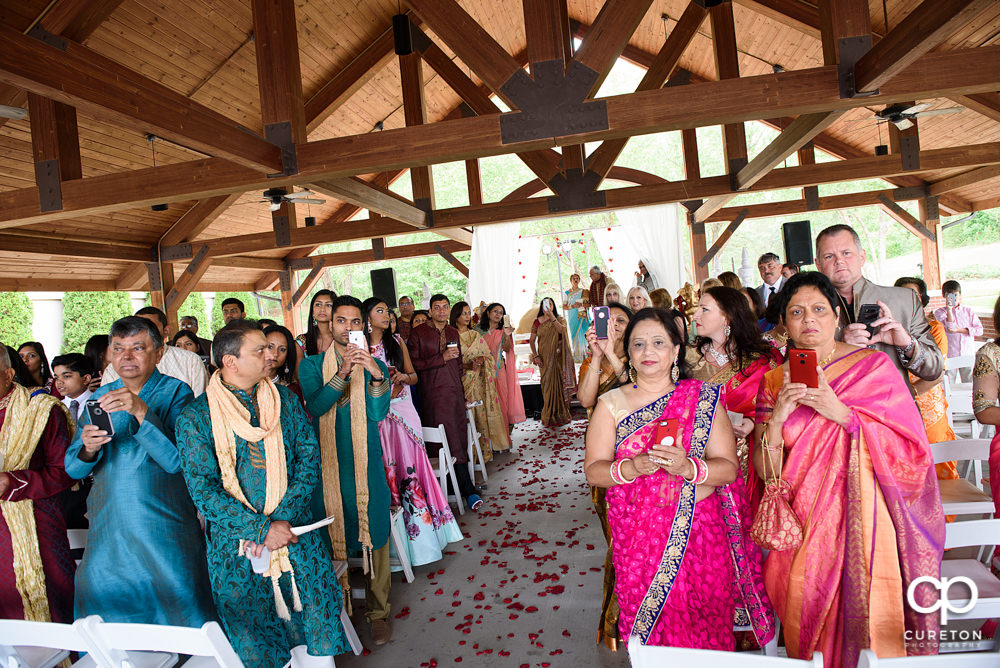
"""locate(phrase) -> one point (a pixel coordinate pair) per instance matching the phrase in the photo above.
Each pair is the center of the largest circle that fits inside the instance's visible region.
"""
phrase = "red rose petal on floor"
(405, 612)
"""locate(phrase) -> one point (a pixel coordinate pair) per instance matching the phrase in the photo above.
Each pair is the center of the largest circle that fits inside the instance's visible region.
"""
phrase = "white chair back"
(117, 640)
(26, 644)
(975, 449)
(446, 464)
(960, 362)
(973, 533)
(649, 656)
(77, 538)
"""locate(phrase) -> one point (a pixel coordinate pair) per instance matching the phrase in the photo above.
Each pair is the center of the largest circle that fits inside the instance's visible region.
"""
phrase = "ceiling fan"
(275, 196)
(902, 116)
(14, 113)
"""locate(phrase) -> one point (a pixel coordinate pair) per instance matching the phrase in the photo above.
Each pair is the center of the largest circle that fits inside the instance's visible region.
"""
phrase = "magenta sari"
(868, 500)
(687, 572)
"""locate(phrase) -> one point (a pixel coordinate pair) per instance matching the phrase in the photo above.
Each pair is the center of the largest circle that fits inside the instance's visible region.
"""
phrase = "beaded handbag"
(776, 526)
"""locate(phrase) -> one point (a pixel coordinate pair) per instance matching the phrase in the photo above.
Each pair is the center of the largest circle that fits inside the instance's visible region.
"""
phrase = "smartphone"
(867, 314)
(357, 337)
(802, 366)
(99, 417)
(601, 317)
(506, 320)
(667, 431)
(952, 299)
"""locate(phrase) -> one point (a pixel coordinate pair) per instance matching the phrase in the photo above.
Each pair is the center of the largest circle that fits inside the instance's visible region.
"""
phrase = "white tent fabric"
(655, 234)
(621, 260)
(503, 267)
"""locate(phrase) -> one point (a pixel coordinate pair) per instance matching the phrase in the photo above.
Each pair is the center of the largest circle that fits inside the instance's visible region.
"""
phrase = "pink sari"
(508, 389)
(868, 500)
(686, 572)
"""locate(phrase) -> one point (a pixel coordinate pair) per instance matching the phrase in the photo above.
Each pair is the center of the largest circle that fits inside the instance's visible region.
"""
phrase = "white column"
(138, 300)
(47, 323)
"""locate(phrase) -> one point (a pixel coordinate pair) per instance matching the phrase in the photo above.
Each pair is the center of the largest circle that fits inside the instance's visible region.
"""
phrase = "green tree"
(15, 318)
(89, 313)
(195, 305)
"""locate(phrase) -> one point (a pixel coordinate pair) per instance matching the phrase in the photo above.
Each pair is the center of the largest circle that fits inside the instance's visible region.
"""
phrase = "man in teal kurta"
(262, 624)
(145, 556)
(329, 387)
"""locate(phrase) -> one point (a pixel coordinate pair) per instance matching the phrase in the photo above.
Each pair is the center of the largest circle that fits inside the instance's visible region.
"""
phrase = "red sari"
(868, 500)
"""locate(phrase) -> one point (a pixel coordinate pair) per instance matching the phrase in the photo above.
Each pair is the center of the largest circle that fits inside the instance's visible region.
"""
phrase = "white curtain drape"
(621, 260)
(655, 235)
(503, 267)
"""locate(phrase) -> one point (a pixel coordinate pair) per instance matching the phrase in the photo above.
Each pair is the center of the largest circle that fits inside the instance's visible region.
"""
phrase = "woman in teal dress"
(574, 304)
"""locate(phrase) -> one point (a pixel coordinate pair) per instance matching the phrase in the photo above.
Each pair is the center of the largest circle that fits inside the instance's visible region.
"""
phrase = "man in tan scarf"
(347, 392)
(36, 570)
(251, 461)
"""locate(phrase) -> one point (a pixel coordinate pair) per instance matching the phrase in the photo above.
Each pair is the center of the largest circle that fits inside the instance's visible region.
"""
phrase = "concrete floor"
(524, 588)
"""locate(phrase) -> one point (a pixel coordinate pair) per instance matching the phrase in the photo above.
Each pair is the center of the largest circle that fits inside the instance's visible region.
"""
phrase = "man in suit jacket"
(769, 267)
(901, 331)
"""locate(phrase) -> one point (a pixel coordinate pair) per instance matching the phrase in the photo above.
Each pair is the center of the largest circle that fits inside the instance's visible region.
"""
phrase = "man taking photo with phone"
(901, 330)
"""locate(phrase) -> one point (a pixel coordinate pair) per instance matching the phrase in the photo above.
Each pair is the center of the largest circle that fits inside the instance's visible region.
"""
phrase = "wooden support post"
(699, 248)
(161, 282)
(55, 147)
(287, 303)
(721, 241)
(845, 29)
(930, 249)
(452, 260)
(727, 65)
(696, 231)
(906, 143)
(185, 284)
(474, 182)
(415, 113)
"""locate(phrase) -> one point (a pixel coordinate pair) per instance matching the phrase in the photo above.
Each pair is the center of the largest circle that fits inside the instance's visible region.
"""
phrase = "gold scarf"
(23, 424)
(334, 503)
(231, 419)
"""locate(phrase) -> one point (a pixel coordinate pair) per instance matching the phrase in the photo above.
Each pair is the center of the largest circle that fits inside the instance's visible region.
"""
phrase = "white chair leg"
(302, 659)
(399, 543)
(351, 632)
(475, 449)
(454, 481)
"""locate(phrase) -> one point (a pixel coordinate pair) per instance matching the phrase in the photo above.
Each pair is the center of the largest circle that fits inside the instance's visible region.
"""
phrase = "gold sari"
(480, 385)
(558, 370)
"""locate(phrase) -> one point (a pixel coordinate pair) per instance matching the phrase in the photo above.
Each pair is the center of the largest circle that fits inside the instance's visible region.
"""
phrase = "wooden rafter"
(987, 104)
(366, 196)
(906, 219)
(93, 83)
(389, 253)
(608, 36)
(451, 259)
(964, 179)
(727, 66)
(411, 75)
(710, 103)
(794, 206)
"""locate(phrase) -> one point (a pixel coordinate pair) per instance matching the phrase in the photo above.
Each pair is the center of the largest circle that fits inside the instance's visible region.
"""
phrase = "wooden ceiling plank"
(99, 86)
(46, 244)
(727, 66)
(361, 194)
(800, 132)
(197, 219)
(962, 180)
(608, 35)
(799, 15)
(63, 284)
(924, 28)
(469, 41)
(133, 278)
(711, 103)
(604, 156)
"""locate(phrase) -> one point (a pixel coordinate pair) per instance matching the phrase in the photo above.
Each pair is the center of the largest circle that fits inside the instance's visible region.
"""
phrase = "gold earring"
(675, 373)
(632, 374)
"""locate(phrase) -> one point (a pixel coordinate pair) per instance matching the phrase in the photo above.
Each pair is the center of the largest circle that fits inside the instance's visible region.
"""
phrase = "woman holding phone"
(849, 441)
(551, 351)
(479, 382)
(499, 336)
(413, 486)
(663, 446)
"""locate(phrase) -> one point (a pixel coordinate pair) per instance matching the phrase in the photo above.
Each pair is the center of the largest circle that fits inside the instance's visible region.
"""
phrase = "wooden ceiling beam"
(727, 66)
(64, 284)
(452, 260)
(921, 30)
(133, 278)
(390, 253)
(796, 206)
(97, 85)
(196, 220)
(711, 103)
(791, 139)
(608, 35)
(963, 180)
(659, 71)
(987, 104)
(365, 196)
(906, 219)
(39, 243)
(279, 76)
(645, 195)
(411, 76)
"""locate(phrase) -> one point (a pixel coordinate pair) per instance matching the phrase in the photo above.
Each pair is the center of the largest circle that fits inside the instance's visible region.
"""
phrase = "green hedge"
(15, 318)
(89, 313)
(249, 303)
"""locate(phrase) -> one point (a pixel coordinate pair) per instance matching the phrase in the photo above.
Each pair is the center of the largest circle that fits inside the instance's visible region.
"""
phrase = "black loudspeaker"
(384, 285)
(402, 40)
(798, 243)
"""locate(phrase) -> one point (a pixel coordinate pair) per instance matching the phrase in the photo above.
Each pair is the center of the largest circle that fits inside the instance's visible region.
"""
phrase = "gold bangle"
(767, 446)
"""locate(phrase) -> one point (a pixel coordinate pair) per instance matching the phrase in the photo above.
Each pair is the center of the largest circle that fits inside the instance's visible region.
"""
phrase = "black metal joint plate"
(692, 205)
(909, 192)
(909, 153)
(282, 232)
(811, 194)
(850, 50)
(931, 208)
(552, 104)
(49, 185)
(195, 263)
(44, 36)
(175, 253)
(576, 190)
(285, 280)
(300, 263)
(153, 273)
(280, 134)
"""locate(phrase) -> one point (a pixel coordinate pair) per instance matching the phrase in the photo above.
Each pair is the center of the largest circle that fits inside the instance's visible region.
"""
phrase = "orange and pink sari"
(868, 500)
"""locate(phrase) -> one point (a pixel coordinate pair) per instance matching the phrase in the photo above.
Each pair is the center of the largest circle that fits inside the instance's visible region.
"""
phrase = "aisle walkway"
(524, 588)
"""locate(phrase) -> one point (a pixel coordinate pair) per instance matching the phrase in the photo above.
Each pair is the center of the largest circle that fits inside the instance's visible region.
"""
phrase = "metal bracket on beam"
(424, 204)
(378, 248)
(735, 165)
(698, 228)
(280, 134)
(850, 50)
(909, 192)
(282, 231)
(300, 264)
(692, 205)
(153, 273)
(49, 185)
(576, 190)
(45, 37)
(175, 253)
(285, 280)
(811, 195)
(931, 209)
(680, 77)
(552, 104)
(909, 152)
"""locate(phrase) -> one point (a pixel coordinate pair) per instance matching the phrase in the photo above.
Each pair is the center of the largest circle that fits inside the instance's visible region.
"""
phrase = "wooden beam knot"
(554, 103)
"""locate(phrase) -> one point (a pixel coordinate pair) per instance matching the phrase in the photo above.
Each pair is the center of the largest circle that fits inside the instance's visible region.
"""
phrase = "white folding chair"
(953, 364)
(984, 534)
(964, 496)
(158, 646)
(959, 406)
(477, 462)
(964, 660)
(650, 656)
(399, 556)
(445, 464)
(352, 634)
(42, 644)
(77, 540)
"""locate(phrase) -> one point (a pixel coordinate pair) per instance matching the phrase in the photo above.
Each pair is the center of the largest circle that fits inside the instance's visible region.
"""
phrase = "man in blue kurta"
(347, 390)
(145, 556)
(251, 460)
